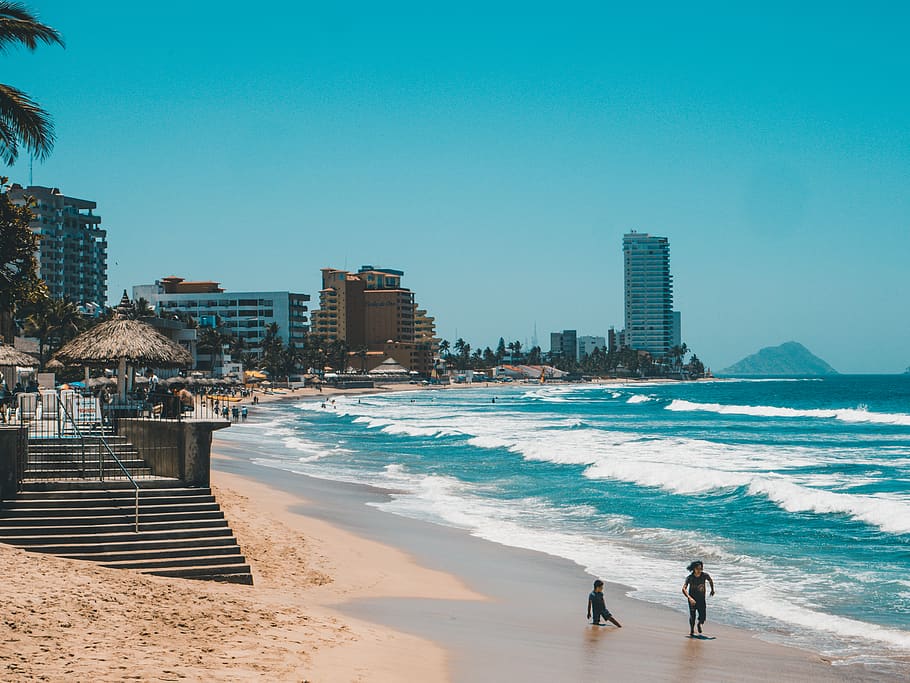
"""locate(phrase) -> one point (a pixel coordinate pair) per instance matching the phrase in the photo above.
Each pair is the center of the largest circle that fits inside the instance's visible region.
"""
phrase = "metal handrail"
(124, 470)
(102, 441)
(61, 408)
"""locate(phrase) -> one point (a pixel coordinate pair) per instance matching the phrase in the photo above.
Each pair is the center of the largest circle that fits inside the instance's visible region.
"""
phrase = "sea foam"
(859, 414)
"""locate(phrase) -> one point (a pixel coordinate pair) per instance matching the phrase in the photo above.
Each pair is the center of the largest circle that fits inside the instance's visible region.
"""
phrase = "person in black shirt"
(598, 607)
(694, 590)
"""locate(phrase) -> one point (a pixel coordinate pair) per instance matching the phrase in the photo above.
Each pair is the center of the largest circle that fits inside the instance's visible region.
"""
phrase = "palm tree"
(22, 121)
(20, 283)
(361, 352)
(212, 342)
(53, 322)
(141, 308)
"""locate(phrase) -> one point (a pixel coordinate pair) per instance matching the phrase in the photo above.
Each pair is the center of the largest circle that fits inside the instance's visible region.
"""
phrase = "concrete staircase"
(182, 531)
(69, 458)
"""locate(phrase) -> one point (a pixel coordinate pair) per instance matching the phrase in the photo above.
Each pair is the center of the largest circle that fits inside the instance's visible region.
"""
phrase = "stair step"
(163, 554)
(158, 503)
(70, 494)
(101, 516)
(120, 536)
(231, 573)
(82, 529)
(199, 560)
(111, 507)
(88, 548)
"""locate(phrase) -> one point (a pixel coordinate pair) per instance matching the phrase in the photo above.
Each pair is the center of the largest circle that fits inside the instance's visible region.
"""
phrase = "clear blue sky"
(497, 156)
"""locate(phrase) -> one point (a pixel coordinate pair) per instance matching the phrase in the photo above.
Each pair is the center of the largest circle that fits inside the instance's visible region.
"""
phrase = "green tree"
(515, 348)
(20, 283)
(361, 353)
(462, 353)
(53, 322)
(141, 309)
(337, 354)
(22, 122)
(212, 342)
(500, 350)
(444, 347)
(534, 356)
(272, 351)
(696, 367)
(313, 352)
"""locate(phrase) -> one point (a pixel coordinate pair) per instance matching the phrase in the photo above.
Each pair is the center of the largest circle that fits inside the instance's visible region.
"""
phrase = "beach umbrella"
(123, 341)
(96, 382)
(12, 357)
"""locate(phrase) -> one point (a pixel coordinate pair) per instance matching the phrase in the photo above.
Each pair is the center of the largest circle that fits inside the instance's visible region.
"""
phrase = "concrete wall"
(9, 442)
(174, 448)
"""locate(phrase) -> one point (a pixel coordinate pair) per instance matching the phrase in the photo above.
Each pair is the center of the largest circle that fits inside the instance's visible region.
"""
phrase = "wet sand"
(530, 623)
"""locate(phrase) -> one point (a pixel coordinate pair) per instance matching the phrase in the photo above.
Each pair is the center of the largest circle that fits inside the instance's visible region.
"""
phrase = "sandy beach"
(344, 592)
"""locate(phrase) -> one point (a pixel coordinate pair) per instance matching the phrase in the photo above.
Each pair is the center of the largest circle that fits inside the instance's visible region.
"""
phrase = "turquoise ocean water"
(794, 493)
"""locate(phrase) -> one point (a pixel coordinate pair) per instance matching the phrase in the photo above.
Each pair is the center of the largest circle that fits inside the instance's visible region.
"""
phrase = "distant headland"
(790, 358)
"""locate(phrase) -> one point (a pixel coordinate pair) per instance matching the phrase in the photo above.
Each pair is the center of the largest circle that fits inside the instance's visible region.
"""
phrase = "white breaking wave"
(860, 414)
(693, 467)
(639, 398)
(679, 465)
(758, 600)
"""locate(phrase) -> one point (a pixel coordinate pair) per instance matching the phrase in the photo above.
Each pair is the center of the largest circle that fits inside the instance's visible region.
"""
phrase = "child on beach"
(597, 606)
(694, 590)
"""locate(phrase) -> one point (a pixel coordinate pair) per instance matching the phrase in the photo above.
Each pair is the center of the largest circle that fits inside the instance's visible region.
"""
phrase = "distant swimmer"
(494, 400)
(598, 608)
(694, 590)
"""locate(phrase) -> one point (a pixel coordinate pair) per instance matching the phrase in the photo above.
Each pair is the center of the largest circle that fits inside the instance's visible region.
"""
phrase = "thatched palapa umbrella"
(11, 357)
(123, 341)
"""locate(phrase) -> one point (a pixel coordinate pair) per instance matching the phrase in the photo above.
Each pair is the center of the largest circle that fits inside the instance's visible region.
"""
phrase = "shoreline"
(528, 624)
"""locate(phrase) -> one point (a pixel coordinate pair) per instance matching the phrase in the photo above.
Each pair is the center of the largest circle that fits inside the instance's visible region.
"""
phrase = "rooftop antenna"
(31, 159)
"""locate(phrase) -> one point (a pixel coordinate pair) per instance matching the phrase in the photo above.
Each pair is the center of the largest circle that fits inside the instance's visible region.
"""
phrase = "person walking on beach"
(694, 590)
(598, 608)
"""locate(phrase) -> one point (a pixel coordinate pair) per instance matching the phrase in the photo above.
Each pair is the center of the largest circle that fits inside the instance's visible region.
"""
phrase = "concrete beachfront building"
(72, 256)
(371, 309)
(651, 323)
(564, 344)
(587, 344)
(244, 314)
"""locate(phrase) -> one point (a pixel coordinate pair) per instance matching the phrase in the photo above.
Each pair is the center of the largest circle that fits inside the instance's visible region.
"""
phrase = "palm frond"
(18, 26)
(23, 121)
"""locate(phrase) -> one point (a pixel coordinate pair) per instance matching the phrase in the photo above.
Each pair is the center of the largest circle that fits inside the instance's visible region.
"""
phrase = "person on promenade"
(598, 608)
(694, 590)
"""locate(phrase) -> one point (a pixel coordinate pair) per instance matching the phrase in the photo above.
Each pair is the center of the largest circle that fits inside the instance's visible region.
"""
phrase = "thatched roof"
(389, 367)
(121, 338)
(10, 356)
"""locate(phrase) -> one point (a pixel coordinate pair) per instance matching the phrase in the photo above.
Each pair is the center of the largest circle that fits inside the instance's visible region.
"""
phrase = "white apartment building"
(651, 323)
(72, 255)
(244, 314)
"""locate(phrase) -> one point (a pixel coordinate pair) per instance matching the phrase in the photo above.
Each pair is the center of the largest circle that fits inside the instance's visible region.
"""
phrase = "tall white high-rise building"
(72, 255)
(651, 323)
